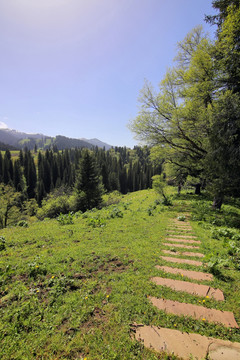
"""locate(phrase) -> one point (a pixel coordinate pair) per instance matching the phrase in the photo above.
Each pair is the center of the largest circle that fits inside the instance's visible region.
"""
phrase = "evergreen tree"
(88, 187)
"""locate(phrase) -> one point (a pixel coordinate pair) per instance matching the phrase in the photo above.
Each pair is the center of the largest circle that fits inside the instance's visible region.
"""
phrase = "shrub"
(53, 206)
(181, 218)
(116, 212)
(2, 243)
(65, 219)
(22, 223)
(96, 221)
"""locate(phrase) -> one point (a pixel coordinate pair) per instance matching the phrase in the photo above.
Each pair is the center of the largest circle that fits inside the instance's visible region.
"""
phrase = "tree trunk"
(217, 202)
(198, 189)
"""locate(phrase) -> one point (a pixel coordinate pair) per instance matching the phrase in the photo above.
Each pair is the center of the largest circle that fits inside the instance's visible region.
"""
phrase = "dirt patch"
(225, 318)
(191, 288)
(181, 246)
(181, 261)
(186, 345)
(182, 240)
(195, 275)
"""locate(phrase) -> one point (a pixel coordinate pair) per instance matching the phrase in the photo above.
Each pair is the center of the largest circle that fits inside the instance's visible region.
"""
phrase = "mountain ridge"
(20, 140)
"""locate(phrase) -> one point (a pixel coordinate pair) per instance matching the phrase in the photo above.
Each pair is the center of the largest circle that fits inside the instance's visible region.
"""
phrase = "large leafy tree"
(174, 120)
(194, 119)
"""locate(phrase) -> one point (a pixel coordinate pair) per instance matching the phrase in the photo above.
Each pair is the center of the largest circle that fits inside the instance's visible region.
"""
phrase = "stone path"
(171, 341)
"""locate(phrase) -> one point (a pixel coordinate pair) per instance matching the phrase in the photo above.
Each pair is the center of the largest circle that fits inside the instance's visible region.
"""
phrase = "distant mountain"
(98, 143)
(19, 140)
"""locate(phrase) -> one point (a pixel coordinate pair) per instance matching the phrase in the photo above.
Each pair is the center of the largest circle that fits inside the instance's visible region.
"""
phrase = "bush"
(52, 206)
(116, 212)
(2, 243)
(22, 223)
(181, 218)
(65, 219)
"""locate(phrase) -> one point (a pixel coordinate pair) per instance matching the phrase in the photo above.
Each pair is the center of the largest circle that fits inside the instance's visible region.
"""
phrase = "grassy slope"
(73, 291)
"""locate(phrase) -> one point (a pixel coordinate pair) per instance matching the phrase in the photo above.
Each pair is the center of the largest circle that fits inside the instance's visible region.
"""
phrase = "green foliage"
(22, 223)
(9, 205)
(2, 243)
(66, 219)
(226, 233)
(96, 221)
(193, 120)
(54, 205)
(88, 186)
(35, 269)
(181, 217)
(115, 212)
(90, 282)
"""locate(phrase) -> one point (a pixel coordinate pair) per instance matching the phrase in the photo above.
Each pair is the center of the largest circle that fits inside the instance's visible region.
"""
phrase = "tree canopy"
(192, 121)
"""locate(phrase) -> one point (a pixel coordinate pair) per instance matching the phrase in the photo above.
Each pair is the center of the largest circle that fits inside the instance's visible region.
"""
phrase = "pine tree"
(88, 187)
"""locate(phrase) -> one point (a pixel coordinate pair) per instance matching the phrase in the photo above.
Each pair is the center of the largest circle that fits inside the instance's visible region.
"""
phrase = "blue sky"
(75, 67)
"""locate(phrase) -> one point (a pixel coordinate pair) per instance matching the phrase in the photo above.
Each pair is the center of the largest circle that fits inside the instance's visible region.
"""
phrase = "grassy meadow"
(73, 287)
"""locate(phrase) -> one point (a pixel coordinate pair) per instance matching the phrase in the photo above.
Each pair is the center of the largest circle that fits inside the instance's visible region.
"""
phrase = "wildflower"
(53, 277)
(86, 297)
(203, 301)
(207, 297)
(175, 325)
(181, 274)
(37, 291)
(36, 266)
(203, 319)
(108, 296)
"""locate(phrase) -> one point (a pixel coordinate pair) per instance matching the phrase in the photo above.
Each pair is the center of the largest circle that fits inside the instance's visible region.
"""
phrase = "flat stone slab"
(182, 261)
(183, 240)
(181, 246)
(189, 287)
(186, 236)
(189, 253)
(225, 318)
(195, 275)
(185, 253)
(186, 345)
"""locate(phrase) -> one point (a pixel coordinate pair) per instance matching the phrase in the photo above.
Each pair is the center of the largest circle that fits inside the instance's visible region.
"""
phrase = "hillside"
(77, 291)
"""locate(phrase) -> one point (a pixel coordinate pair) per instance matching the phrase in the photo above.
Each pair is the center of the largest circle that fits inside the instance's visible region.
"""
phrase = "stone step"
(189, 287)
(185, 236)
(183, 240)
(195, 275)
(181, 246)
(198, 312)
(181, 261)
(184, 253)
(186, 345)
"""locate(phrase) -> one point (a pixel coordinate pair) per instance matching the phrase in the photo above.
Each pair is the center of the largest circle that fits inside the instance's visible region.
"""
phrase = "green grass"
(74, 291)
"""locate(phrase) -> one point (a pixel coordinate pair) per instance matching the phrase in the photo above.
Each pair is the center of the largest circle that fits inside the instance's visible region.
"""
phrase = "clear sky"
(75, 67)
